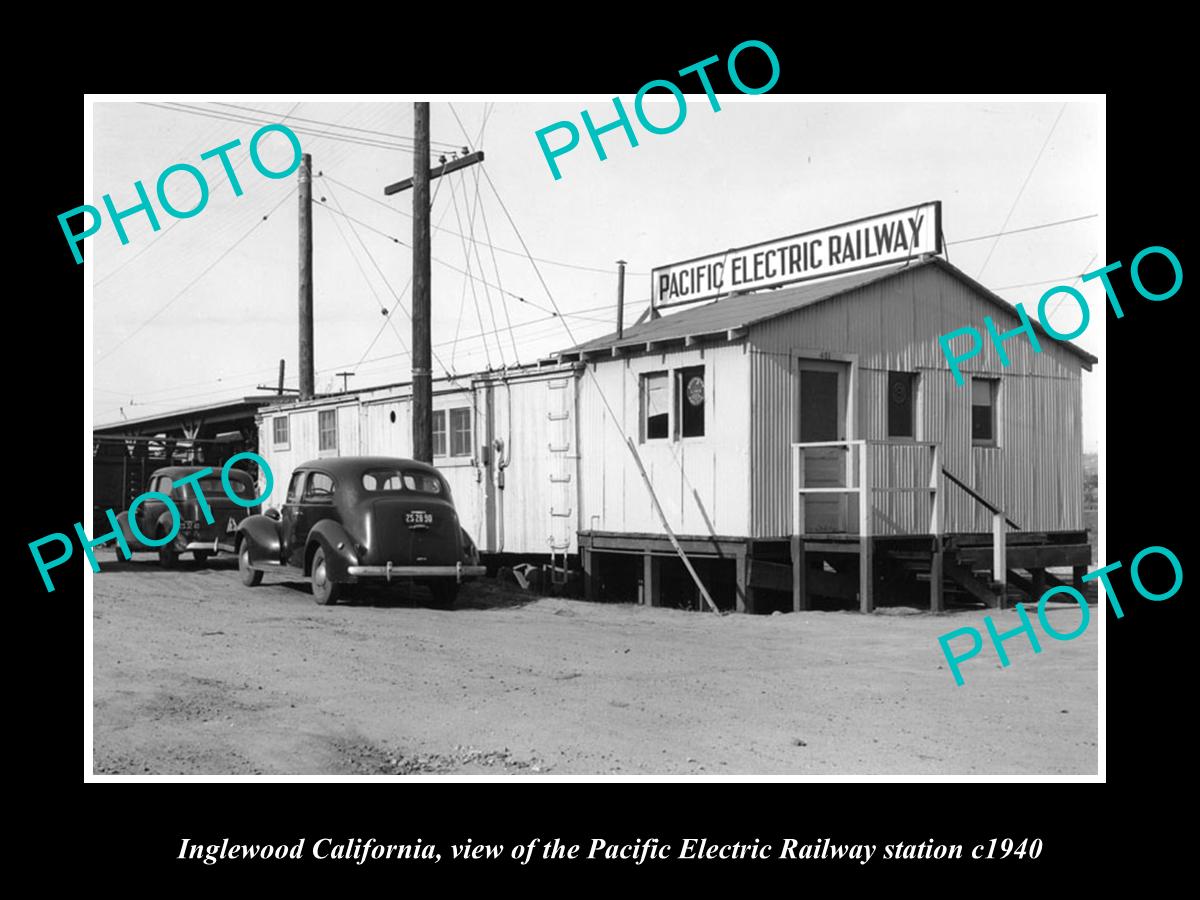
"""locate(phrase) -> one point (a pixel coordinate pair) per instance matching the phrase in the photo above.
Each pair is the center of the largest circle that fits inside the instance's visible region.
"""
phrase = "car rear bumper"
(213, 546)
(389, 571)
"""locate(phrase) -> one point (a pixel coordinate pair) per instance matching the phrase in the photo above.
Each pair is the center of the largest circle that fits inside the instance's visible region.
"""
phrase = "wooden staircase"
(967, 566)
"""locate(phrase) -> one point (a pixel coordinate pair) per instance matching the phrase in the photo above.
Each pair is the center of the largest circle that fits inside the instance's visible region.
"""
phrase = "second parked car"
(349, 520)
(155, 519)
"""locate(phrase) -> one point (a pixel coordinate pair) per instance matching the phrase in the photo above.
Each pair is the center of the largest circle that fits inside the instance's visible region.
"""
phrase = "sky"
(203, 309)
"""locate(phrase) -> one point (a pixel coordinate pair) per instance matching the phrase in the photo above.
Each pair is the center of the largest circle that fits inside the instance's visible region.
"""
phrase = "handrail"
(992, 509)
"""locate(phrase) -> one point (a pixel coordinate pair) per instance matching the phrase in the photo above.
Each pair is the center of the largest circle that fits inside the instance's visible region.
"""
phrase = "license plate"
(189, 527)
(418, 517)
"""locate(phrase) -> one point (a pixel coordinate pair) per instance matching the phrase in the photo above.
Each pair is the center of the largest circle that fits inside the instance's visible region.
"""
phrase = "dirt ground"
(196, 674)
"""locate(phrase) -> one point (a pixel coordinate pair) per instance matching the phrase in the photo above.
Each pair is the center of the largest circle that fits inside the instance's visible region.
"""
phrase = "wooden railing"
(999, 520)
(859, 482)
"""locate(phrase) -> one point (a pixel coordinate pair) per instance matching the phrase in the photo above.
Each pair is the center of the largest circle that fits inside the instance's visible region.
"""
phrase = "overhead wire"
(189, 285)
(245, 120)
(495, 248)
(467, 254)
(1000, 234)
(370, 256)
(388, 134)
(1021, 191)
(543, 320)
(154, 243)
(608, 405)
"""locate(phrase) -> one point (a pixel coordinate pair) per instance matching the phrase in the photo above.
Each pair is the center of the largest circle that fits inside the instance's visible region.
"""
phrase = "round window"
(695, 390)
(392, 416)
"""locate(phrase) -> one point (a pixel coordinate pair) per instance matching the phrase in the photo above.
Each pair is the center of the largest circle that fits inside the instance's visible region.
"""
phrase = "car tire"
(201, 556)
(250, 577)
(445, 592)
(325, 592)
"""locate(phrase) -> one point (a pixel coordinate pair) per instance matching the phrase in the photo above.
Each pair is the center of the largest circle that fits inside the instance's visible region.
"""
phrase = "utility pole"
(345, 376)
(422, 350)
(306, 284)
(282, 363)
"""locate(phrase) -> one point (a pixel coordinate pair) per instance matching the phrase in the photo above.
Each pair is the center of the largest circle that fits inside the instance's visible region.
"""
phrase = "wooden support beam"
(966, 579)
(866, 575)
(1077, 573)
(1039, 583)
(437, 171)
(652, 579)
(745, 593)
(1023, 584)
(799, 571)
(866, 566)
(937, 597)
(591, 586)
(1029, 557)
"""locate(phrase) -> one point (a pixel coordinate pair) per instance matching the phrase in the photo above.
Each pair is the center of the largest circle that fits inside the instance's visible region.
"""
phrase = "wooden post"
(999, 557)
(799, 573)
(799, 586)
(422, 351)
(745, 596)
(307, 386)
(590, 584)
(937, 597)
(866, 568)
(1039, 583)
(1077, 573)
(651, 581)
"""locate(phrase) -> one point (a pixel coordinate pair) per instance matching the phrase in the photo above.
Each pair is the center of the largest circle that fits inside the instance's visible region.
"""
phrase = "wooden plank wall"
(1036, 472)
(702, 483)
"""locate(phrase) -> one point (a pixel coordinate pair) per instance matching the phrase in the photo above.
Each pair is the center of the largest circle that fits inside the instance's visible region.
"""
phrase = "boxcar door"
(822, 417)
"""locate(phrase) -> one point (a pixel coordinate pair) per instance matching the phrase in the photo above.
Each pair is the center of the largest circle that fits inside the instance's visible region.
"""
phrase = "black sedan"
(356, 519)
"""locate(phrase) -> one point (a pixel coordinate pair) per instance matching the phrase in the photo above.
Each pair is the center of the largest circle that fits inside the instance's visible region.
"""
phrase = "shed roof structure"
(728, 318)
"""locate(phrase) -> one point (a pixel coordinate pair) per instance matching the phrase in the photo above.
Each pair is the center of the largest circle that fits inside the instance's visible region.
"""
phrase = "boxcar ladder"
(561, 430)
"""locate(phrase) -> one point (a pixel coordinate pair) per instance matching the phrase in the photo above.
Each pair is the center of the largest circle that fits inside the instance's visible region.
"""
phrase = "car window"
(398, 480)
(319, 487)
(164, 484)
(211, 487)
(293, 492)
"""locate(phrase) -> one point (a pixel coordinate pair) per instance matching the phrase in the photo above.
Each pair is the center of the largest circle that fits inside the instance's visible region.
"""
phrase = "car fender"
(262, 533)
(127, 533)
(163, 526)
(328, 535)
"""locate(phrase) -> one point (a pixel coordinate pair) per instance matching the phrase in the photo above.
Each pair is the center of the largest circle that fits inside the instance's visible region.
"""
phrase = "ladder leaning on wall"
(561, 431)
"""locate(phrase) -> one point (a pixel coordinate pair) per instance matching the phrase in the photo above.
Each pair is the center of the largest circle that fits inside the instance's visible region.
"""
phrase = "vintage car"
(350, 520)
(154, 518)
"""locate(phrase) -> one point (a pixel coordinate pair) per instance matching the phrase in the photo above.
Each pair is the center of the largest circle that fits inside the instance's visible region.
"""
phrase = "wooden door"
(822, 417)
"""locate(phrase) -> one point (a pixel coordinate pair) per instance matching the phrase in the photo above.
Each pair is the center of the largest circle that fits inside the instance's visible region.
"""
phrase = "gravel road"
(196, 674)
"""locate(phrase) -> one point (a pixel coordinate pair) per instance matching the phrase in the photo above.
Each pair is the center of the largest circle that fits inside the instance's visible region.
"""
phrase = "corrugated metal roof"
(741, 311)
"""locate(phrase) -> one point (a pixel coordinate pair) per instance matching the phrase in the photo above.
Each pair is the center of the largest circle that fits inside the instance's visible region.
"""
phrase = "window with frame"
(319, 488)
(281, 431)
(901, 405)
(689, 402)
(460, 432)
(327, 429)
(439, 432)
(293, 491)
(984, 393)
(655, 403)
